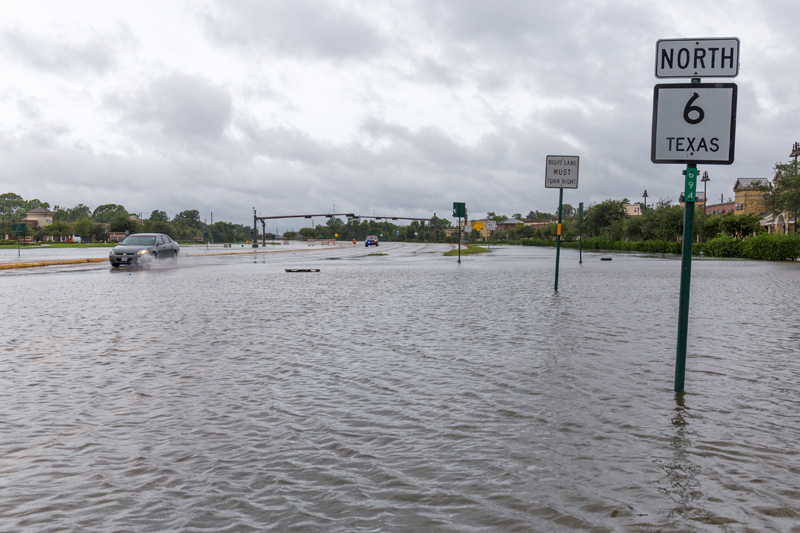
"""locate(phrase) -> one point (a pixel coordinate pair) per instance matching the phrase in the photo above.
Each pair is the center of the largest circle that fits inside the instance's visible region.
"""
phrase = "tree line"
(610, 220)
(359, 229)
(82, 221)
(607, 220)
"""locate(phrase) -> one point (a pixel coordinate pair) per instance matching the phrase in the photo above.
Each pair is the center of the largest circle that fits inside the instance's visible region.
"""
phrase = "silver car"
(144, 248)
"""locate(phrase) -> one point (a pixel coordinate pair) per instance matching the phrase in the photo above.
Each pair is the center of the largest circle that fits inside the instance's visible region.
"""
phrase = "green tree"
(159, 226)
(567, 211)
(58, 229)
(123, 222)
(72, 214)
(667, 221)
(190, 217)
(86, 227)
(740, 226)
(539, 215)
(104, 213)
(600, 219)
(307, 233)
(12, 206)
(785, 194)
(491, 215)
(159, 216)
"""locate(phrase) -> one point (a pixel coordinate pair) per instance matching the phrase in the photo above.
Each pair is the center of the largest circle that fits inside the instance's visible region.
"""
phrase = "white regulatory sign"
(697, 58)
(694, 123)
(561, 172)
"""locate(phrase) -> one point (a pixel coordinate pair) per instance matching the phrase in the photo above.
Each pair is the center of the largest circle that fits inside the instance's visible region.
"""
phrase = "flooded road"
(399, 392)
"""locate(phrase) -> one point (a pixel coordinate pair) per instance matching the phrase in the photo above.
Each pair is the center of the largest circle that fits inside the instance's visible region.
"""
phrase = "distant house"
(38, 216)
(721, 208)
(507, 224)
(749, 197)
(537, 222)
(633, 210)
(116, 236)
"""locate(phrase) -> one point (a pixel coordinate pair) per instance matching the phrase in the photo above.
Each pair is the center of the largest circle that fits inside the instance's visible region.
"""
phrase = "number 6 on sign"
(693, 108)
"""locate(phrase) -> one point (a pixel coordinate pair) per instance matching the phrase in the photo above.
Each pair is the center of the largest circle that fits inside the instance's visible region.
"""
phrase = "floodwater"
(399, 392)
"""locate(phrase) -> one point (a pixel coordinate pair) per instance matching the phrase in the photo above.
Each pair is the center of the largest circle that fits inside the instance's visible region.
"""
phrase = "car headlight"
(142, 252)
(111, 252)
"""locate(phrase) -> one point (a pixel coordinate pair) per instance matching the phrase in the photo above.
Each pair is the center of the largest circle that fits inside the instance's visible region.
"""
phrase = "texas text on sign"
(561, 172)
(697, 58)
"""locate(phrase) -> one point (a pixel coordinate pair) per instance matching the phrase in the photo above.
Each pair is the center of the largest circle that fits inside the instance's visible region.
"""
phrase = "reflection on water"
(683, 474)
(399, 392)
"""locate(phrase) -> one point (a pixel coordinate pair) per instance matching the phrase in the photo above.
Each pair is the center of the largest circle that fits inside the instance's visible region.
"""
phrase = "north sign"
(694, 123)
(697, 58)
(561, 172)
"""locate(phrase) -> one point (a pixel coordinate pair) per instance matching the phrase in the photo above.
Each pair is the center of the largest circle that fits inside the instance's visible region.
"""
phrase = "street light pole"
(705, 181)
(644, 195)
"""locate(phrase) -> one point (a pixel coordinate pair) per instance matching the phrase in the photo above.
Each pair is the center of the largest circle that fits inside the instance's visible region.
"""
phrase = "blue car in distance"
(372, 240)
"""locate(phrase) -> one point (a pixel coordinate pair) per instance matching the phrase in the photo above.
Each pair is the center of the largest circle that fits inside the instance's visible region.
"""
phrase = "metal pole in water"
(580, 233)
(689, 198)
(558, 232)
(459, 240)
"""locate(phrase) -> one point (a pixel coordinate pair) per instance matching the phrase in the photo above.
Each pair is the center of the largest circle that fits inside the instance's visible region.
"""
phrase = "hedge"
(766, 247)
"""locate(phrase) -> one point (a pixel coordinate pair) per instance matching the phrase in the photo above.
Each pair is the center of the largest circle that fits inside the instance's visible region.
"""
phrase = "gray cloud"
(181, 107)
(297, 28)
(60, 55)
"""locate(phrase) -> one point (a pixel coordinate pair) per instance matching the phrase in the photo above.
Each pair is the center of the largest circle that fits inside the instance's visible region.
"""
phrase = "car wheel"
(174, 257)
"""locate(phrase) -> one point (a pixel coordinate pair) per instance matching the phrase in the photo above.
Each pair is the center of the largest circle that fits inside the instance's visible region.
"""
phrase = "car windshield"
(139, 240)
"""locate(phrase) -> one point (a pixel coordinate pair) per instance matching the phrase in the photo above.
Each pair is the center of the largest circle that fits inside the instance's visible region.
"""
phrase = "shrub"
(771, 247)
(723, 246)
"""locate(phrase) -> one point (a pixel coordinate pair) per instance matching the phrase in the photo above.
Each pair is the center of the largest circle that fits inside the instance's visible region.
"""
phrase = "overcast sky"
(394, 107)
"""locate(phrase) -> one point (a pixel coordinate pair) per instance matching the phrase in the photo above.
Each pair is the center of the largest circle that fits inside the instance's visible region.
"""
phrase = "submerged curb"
(55, 262)
(6, 266)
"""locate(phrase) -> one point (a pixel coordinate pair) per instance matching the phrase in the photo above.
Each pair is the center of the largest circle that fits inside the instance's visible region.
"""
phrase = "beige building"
(781, 223)
(633, 210)
(38, 216)
(749, 197)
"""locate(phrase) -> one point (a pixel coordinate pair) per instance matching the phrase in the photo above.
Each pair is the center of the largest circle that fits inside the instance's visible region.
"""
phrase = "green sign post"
(693, 123)
(460, 211)
(19, 229)
(689, 197)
